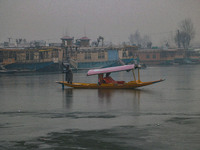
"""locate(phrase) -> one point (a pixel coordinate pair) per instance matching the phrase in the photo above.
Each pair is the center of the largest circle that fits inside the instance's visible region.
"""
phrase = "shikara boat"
(108, 83)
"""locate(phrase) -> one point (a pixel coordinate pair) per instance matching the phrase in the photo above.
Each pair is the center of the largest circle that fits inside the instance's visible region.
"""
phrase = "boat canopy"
(110, 69)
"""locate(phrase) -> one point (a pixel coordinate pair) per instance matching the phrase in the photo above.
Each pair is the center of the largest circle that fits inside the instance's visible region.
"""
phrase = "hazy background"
(115, 20)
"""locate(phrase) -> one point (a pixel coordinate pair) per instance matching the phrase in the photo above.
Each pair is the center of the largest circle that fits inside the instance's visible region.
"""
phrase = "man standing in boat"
(68, 73)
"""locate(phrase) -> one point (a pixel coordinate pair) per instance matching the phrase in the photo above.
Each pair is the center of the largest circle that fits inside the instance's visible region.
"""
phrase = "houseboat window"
(1, 56)
(124, 54)
(101, 55)
(46, 54)
(54, 53)
(15, 55)
(87, 55)
(163, 54)
(27, 55)
(147, 56)
(41, 55)
(31, 55)
(10, 54)
(130, 53)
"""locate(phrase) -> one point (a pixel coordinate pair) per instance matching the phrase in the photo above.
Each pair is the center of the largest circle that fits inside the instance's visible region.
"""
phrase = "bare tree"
(187, 27)
(185, 33)
(182, 38)
(131, 39)
(135, 38)
(177, 39)
(146, 42)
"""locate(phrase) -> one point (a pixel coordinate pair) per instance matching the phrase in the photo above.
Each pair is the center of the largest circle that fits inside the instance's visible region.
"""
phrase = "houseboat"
(168, 56)
(82, 55)
(30, 59)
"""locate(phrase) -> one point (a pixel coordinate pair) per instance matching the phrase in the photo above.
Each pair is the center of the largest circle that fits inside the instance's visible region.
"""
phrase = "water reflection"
(125, 99)
(110, 97)
(68, 97)
(106, 94)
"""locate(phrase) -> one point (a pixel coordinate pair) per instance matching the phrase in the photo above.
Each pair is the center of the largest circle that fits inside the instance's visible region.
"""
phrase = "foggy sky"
(115, 20)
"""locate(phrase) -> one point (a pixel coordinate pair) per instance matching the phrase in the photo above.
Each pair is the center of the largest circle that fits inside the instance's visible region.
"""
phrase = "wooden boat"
(108, 82)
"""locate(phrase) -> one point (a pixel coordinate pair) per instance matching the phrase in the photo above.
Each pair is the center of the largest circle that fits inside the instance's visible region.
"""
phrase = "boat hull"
(128, 85)
(38, 66)
(7, 71)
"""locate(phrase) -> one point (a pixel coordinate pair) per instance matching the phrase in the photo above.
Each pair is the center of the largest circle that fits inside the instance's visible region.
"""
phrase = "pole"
(63, 82)
(138, 74)
(134, 74)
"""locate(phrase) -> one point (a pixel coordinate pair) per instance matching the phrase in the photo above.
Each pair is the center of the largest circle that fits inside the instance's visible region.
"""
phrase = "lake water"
(35, 113)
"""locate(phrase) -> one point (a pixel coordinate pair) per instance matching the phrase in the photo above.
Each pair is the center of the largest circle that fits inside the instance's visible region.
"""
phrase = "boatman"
(68, 73)
(100, 78)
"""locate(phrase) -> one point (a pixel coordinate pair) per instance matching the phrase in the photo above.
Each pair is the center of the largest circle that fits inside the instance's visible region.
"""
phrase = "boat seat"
(120, 82)
(111, 80)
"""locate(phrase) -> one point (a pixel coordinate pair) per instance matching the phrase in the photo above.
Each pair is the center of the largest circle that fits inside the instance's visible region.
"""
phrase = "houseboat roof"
(84, 38)
(67, 38)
